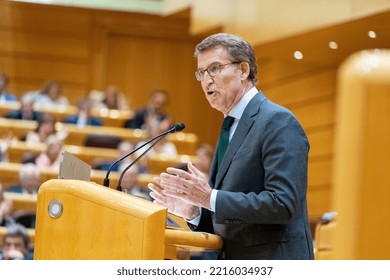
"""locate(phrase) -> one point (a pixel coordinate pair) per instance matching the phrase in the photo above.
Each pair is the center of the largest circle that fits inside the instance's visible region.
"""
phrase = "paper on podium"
(73, 168)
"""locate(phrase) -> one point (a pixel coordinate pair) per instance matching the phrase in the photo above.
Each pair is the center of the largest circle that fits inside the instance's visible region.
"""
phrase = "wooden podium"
(78, 220)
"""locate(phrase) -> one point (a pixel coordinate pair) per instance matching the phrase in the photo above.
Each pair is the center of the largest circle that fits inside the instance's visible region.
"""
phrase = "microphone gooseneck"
(174, 128)
(119, 186)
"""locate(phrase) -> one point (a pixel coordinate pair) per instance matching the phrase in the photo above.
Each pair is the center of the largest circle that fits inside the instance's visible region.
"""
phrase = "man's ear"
(245, 69)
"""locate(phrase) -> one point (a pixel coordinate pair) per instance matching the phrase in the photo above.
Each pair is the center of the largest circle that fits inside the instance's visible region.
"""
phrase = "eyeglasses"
(213, 70)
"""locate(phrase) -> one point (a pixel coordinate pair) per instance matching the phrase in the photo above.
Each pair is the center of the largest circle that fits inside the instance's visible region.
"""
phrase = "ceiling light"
(333, 45)
(372, 34)
(298, 55)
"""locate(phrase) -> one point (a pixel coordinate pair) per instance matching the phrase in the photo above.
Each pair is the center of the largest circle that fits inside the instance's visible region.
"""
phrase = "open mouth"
(210, 92)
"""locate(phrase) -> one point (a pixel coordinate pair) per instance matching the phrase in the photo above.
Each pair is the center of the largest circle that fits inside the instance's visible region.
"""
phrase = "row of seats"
(114, 118)
(157, 163)
(9, 174)
(186, 143)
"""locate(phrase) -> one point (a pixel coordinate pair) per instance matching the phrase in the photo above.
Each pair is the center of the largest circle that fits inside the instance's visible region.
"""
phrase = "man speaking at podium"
(255, 198)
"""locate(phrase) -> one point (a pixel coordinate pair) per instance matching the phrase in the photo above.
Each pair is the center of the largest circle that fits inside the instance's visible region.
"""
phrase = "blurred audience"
(204, 155)
(16, 244)
(5, 209)
(29, 179)
(130, 183)
(5, 143)
(83, 116)
(124, 148)
(44, 129)
(5, 95)
(50, 158)
(112, 98)
(163, 146)
(50, 96)
(153, 113)
(25, 112)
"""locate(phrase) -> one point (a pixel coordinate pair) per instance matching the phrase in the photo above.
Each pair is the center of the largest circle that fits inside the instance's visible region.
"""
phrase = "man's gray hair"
(238, 49)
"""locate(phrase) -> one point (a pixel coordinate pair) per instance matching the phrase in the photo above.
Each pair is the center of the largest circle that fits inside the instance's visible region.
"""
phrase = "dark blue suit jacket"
(261, 208)
(91, 120)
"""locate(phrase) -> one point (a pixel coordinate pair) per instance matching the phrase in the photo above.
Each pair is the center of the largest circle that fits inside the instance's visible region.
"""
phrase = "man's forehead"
(212, 56)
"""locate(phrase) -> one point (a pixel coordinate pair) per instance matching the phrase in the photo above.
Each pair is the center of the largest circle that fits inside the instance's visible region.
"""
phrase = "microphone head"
(177, 127)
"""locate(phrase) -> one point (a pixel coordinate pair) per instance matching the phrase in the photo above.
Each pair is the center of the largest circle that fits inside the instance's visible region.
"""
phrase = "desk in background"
(186, 143)
(9, 174)
(115, 118)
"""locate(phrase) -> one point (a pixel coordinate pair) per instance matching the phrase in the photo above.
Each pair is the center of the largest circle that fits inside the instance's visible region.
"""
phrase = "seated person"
(5, 95)
(50, 96)
(153, 112)
(204, 154)
(16, 244)
(45, 128)
(112, 98)
(123, 149)
(50, 158)
(83, 117)
(29, 179)
(163, 146)
(25, 112)
(4, 146)
(5, 209)
(131, 185)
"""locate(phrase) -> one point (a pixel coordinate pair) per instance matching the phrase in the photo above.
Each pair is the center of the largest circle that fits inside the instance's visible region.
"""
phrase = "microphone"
(174, 128)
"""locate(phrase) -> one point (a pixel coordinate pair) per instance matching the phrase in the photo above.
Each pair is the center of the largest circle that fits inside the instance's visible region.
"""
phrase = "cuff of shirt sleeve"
(195, 221)
(213, 198)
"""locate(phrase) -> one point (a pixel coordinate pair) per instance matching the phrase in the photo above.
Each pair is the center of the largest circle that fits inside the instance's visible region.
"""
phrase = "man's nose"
(206, 76)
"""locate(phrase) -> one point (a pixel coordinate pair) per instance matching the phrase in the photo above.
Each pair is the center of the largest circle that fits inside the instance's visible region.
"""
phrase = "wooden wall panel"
(319, 171)
(316, 114)
(30, 44)
(56, 19)
(321, 141)
(41, 42)
(311, 86)
(318, 201)
(141, 64)
(36, 69)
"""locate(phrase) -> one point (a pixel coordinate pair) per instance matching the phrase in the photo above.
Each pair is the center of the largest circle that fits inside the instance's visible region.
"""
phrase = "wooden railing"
(9, 173)
(115, 118)
(186, 143)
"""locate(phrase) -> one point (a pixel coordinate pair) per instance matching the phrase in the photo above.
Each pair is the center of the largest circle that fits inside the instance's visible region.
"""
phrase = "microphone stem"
(106, 181)
(119, 187)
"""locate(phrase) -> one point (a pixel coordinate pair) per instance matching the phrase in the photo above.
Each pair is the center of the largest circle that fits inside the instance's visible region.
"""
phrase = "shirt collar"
(239, 108)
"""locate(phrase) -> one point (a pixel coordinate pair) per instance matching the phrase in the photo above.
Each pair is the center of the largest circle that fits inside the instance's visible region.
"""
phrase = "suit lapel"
(244, 125)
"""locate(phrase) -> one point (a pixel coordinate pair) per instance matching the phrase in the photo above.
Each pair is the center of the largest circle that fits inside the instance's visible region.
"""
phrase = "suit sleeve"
(205, 223)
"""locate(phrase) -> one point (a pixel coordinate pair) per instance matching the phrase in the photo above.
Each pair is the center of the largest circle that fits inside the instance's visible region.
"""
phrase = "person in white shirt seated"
(50, 96)
(5, 95)
(29, 180)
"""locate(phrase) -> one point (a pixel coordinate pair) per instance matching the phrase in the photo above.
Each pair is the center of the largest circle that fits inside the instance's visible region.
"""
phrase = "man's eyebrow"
(211, 64)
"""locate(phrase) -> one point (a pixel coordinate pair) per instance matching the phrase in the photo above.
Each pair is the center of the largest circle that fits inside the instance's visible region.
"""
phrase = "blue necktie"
(224, 138)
